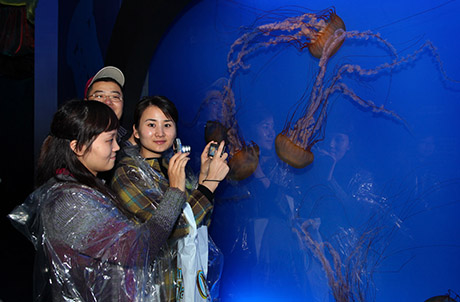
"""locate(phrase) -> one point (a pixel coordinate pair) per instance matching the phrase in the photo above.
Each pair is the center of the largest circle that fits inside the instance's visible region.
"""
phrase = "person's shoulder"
(129, 161)
(68, 186)
(70, 193)
(128, 156)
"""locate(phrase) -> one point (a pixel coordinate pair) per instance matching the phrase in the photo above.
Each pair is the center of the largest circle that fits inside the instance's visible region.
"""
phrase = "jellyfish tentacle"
(366, 103)
(316, 109)
(299, 31)
(323, 34)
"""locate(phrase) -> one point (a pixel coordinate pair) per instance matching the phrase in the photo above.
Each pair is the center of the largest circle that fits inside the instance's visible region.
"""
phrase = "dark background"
(126, 32)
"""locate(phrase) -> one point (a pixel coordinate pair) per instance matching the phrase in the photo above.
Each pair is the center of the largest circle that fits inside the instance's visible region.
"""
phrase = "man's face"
(108, 93)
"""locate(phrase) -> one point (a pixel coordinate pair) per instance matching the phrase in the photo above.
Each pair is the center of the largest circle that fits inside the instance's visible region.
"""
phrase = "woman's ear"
(135, 132)
(73, 146)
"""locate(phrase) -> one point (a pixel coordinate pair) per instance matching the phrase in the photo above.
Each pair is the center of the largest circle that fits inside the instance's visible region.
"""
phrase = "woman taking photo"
(88, 248)
(148, 174)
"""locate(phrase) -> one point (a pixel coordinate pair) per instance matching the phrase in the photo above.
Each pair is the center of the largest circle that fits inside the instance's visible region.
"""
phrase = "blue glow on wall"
(395, 182)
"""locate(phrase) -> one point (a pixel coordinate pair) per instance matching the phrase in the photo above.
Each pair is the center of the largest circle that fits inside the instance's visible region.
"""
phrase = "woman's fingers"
(219, 168)
(219, 154)
(221, 147)
(178, 157)
(176, 170)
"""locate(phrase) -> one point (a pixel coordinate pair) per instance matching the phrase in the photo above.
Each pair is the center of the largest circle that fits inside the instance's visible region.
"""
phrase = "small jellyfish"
(319, 39)
(244, 156)
(244, 160)
(309, 30)
(442, 298)
(221, 125)
(451, 296)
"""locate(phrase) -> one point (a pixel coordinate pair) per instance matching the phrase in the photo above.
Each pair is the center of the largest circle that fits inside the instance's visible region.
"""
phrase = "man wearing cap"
(106, 86)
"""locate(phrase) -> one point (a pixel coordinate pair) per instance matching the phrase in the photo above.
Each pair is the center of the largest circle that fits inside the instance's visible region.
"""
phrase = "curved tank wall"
(375, 216)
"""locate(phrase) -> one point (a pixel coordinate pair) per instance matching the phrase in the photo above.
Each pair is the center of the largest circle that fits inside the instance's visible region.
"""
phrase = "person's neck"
(150, 155)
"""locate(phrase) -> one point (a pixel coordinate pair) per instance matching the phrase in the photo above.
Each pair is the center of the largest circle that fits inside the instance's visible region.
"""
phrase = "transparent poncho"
(86, 249)
(152, 183)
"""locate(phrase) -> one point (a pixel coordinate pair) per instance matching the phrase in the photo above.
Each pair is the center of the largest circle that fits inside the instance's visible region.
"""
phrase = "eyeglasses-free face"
(156, 132)
(101, 155)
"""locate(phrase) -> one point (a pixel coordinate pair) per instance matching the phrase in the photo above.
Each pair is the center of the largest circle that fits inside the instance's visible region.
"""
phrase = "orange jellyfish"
(311, 30)
(320, 38)
(293, 145)
(221, 125)
(323, 33)
(244, 157)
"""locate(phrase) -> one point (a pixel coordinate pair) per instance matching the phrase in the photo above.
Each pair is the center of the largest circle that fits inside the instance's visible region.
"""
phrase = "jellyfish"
(451, 296)
(311, 31)
(317, 44)
(244, 156)
(294, 143)
(322, 33)
(350, 259)
(221, 125)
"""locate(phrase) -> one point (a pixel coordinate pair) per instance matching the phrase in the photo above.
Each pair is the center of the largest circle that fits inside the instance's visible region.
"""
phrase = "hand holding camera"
(179, 147)
(214, 168)
(177, 163)
(213, 149)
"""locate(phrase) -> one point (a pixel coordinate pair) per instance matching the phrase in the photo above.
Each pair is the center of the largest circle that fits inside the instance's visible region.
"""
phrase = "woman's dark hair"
(162, 102)
(76, 120)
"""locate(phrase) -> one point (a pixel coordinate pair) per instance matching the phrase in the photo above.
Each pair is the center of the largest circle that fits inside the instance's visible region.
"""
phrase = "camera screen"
(212, 149)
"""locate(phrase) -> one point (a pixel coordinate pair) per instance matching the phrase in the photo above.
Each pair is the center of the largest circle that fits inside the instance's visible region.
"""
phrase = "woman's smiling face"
(100, 156)
(156, 132)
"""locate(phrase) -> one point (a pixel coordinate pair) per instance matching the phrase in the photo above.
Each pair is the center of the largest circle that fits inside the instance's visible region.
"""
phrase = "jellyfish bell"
(442, 298)
(451, 296)
(317, 44)
(292, 154)
(244, 162)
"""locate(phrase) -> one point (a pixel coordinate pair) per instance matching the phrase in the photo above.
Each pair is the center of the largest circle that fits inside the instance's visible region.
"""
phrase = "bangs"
(113, 123)
(100, 118)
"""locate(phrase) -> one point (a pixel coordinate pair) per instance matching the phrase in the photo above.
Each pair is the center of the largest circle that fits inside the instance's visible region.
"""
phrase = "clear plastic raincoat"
(87, 250)
(134, 176)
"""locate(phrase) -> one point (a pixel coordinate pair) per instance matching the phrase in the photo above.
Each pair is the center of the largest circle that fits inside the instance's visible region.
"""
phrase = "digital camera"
(213, 149)
(182, 148)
